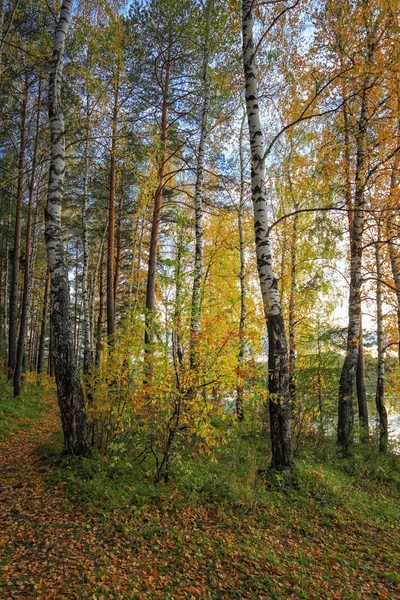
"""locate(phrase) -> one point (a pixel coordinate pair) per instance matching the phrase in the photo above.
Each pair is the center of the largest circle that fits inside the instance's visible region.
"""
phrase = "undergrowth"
(365, 485)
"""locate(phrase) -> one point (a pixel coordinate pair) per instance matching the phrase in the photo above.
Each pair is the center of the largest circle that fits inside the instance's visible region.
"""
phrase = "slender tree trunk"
(391, 230)
(278, 385)
(155, 225)
(100, 318)
(292, 308)
(76, 336)
(177, 333)
(380, 383)
(69, 389)
(348, 375)
(50, 361)
(118, 250)
(12, 328)
(111, 221)
(361, 391)
(242, 278)
(87, 349)
(26, 294)
(44, 323)
(198, 202)
(395, 266)
(360, 374)
(5, 287)
(2, 15)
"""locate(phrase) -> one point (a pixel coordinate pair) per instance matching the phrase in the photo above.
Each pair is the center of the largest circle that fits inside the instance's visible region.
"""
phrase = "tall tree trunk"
(111, 220)
(278, 384)
(395, 266)
(12, 328)
(360, 384)
(2, 15)
(44, 323)
(242, 279)
(360, 374)
(348, 375)
(292, 299)
(50, 361)
(118, 253)
(380, 382)
(391, 229)
(4, 339)
(69, 389)
(99, 327)
(155, 225)
(198, 203)
(87, 349)
(177, 350)
(76, 336)
(26, 294)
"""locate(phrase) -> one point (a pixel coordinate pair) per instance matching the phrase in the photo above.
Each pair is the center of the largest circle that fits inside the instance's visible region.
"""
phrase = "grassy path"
(53, 548)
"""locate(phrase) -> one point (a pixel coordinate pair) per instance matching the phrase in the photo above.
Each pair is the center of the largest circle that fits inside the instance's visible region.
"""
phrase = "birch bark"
(278, 385)
(69, 390)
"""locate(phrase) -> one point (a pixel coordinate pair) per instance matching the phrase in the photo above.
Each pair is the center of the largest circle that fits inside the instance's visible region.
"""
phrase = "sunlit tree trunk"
(380, 382)
(69, 390)
(279, 400)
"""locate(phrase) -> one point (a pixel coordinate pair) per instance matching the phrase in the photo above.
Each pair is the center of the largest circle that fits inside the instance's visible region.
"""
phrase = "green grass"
(225, 527)
(329, 527)
(366, 486)
(19, 413)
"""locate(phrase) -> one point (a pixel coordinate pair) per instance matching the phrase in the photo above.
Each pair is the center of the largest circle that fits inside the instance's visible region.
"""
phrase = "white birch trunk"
(279, 401)
(69, 390)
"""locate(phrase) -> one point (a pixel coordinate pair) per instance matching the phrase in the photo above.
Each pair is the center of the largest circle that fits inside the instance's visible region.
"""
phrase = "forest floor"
(293, 546)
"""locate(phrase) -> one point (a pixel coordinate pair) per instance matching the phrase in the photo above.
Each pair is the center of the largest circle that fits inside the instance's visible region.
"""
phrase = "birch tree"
(69, 389)
(278, 384)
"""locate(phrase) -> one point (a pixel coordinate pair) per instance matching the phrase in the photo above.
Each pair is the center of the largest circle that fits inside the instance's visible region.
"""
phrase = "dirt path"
(41, 538)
